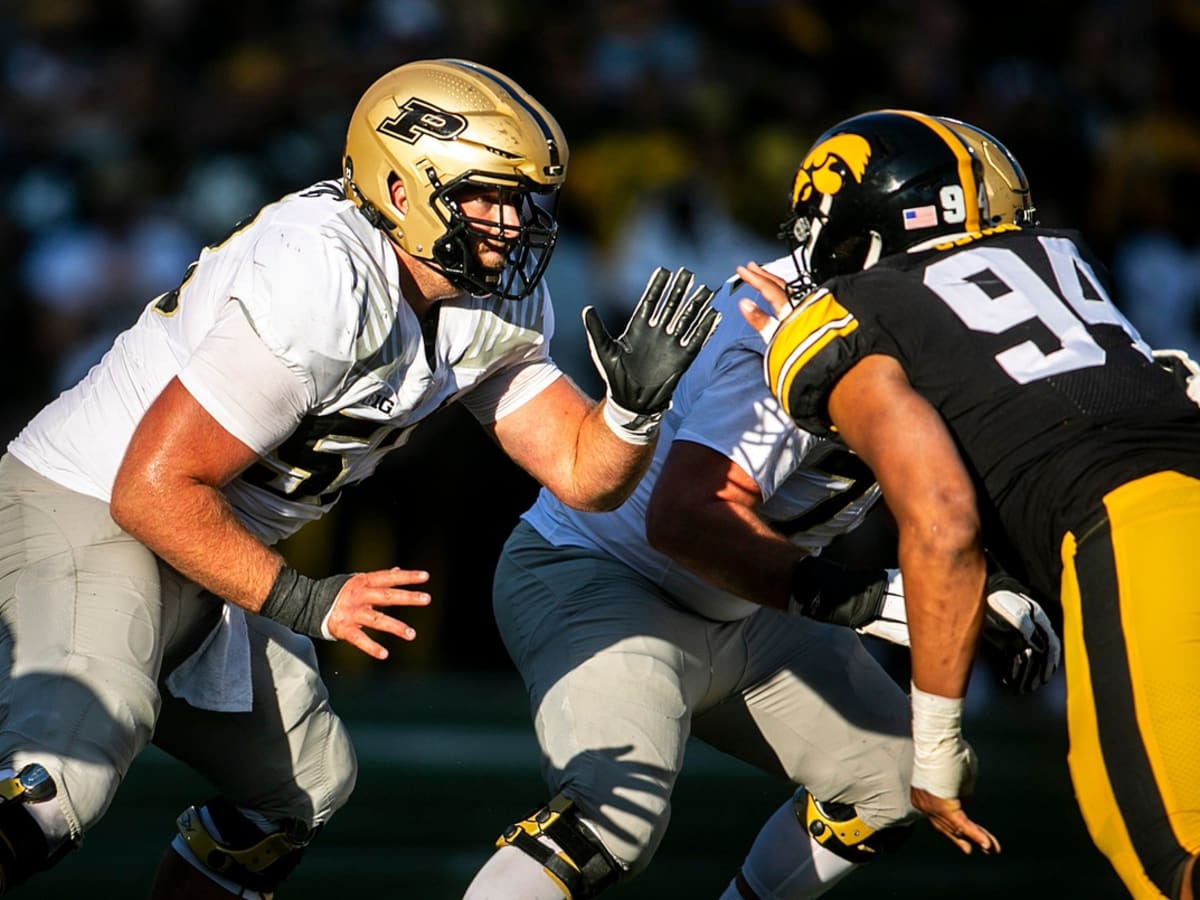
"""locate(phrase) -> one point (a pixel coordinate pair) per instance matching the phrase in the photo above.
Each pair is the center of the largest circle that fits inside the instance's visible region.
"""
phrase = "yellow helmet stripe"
(966, 172)
(807, 330)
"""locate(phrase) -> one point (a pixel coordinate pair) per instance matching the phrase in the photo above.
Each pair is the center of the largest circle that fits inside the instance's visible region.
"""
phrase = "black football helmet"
(877, 184)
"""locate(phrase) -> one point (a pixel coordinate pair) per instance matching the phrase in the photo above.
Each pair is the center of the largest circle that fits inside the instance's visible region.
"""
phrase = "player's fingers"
(386, 578)
(777, 280)
(392, 597)
(966, 834)
(980, 837)
(987, 841)
(359, 639)
(772, 287)
(379, 621)
(758, 319)
(951, 830)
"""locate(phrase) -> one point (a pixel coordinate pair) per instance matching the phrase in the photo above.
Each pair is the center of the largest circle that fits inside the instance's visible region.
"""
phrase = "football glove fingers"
(840, 595)
(669, 326)
(1184, 368)
(1020, 632)
(891, 618)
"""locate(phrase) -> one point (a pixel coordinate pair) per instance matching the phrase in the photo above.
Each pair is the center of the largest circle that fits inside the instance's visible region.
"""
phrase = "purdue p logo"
(418, 118)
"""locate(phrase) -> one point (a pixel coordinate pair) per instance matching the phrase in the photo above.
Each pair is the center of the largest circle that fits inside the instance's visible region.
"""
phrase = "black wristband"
(830, 592)
(301, 603)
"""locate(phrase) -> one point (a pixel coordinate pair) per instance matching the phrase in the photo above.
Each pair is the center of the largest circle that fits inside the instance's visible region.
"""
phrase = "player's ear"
(399, 194)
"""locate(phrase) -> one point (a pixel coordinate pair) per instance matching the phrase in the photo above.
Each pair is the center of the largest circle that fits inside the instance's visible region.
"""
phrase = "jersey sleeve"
(820, 340)
(305, 299)
(736, 416)
(526, 371)
(242, 384)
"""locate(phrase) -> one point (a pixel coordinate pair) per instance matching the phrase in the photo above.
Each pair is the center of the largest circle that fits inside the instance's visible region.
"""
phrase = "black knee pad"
(239, 851)
(571, 854)
(837, 828)
(24, 847)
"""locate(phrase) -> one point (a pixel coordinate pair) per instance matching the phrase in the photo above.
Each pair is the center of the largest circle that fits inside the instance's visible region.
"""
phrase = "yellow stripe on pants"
(1155, 539)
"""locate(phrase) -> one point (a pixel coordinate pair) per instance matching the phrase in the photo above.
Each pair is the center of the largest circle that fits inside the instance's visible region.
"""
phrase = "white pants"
(90, 622)
(619, 677)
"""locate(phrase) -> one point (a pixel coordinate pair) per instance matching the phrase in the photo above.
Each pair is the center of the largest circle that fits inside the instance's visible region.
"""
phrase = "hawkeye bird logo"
(817, 172)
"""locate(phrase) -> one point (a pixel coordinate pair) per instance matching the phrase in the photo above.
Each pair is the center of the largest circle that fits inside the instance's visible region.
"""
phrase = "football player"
(1035, 419)
(141, 595)
(676, 615)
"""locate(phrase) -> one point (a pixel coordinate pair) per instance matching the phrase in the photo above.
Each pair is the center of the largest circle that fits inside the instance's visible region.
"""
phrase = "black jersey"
(1048, 390)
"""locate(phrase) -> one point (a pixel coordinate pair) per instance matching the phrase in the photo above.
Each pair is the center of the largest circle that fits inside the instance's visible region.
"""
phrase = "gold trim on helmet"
(442, 124)
(1008, 197)
(966, 169)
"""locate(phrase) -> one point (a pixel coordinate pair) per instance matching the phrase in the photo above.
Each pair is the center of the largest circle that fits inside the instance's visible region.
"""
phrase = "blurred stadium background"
(133, 131)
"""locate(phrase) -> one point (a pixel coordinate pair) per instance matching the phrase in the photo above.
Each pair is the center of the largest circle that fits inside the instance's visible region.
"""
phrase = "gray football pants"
(619, 677)
(88, 616)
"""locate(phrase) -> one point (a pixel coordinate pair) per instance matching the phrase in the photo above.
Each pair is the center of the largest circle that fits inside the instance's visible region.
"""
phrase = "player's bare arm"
(167, 494)
(560, 438)
(871, 404)
(932, 499)
(592, 455)
(702, 514)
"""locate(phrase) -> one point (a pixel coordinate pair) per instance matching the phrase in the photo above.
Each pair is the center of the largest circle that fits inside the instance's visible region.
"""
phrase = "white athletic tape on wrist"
(943, 762)
(631, 427)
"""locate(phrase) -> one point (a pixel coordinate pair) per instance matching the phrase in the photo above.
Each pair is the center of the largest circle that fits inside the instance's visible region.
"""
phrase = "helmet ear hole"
(397, 194)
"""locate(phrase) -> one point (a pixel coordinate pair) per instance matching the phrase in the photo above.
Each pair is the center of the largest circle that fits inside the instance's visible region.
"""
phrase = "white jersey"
(813, 489)
(294, 335)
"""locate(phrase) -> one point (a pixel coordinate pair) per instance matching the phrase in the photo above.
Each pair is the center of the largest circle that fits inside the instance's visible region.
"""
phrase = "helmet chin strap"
(873, 250)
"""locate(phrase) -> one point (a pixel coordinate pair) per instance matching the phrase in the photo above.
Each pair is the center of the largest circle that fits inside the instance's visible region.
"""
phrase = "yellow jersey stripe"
(807, 330)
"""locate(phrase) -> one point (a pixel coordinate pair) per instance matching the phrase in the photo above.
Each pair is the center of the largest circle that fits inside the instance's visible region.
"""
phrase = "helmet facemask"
(526, 246)
(818, 255)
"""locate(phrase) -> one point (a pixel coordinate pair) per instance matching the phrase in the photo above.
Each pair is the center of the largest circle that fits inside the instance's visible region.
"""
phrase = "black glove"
(1017, 633)
(837, 594)
(643, 365)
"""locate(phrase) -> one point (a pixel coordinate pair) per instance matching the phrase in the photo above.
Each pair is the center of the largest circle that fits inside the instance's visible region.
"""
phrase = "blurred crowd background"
(134, 131)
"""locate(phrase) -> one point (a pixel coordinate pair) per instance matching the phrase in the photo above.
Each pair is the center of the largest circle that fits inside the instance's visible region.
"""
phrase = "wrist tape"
(631, 427)
(302, 603)
(943, 763)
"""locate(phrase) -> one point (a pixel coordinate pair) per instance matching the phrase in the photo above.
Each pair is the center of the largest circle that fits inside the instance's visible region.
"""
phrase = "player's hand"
(361, 602)
(1185, 369)
(774, 290)
(949, 817)
(871, 601)
(1017, 629)
(667, 330)
(944, 769)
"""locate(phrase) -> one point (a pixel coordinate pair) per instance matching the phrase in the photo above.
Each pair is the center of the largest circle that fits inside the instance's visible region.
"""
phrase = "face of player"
(495, 219)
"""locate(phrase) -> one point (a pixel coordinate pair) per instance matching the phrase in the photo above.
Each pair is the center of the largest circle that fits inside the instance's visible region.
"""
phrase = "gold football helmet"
(447, 129)
(1008, 197)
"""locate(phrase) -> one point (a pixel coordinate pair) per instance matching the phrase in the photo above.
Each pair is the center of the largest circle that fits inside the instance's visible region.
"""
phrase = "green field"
(446, 762)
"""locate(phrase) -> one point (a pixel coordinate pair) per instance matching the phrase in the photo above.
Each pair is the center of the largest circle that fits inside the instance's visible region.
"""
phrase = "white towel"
(217, 675)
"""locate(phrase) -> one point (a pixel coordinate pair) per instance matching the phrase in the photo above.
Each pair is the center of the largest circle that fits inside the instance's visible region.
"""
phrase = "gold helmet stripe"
(518, 97)
(966, 172)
